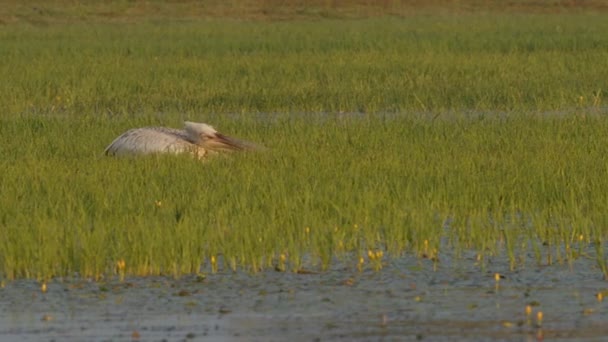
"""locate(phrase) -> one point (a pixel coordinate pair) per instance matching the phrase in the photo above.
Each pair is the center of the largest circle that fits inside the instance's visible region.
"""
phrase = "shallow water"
(406, 300)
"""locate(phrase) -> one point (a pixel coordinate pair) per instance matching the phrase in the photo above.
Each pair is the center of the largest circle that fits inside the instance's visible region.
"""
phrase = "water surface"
(407, 299)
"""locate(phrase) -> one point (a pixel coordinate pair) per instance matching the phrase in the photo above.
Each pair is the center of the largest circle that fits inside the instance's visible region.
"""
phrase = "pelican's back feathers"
(151, 140)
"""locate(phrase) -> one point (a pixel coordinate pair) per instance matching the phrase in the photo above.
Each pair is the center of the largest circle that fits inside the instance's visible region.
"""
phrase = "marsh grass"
(429, 64)
(477, 132)
(329, 186)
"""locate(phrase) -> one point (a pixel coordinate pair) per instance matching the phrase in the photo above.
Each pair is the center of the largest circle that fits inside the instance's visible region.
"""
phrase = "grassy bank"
(408, 170)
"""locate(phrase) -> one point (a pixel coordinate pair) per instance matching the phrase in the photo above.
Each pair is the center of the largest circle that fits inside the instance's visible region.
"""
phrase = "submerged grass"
(374, 184)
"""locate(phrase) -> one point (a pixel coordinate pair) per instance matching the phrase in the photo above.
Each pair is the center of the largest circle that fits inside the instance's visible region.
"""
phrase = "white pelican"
(199, 139)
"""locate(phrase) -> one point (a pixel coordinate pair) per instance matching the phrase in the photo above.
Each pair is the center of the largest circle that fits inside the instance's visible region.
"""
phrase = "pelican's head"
(208, 138)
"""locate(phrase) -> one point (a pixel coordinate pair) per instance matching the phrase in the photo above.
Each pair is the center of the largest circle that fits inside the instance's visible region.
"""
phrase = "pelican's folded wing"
(150, 140)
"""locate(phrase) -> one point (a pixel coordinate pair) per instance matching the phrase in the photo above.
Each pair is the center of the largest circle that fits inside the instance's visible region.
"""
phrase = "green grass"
(449, 147)
(439, 63)
(357, 183)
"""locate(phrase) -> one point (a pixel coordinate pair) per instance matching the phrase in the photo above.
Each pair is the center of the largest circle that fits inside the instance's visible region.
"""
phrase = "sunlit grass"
(429, 64)
(329, 186)
(430, 135)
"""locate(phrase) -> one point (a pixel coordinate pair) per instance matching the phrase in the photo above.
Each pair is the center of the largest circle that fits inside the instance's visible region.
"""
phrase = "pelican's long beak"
(226, 143)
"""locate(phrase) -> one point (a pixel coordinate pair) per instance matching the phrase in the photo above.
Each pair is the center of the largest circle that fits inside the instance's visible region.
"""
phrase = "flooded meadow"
(429, 175)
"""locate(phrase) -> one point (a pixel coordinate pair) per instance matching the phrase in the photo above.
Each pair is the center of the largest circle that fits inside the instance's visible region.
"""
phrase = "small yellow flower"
(528, 310)
(213, 264)
(600, 296)
(158, 203)
(360, 264)
(497, 277)
(307, 230)
(281, 264)
(375, 258)
(539, 317)
(120, 265)
(43, 287)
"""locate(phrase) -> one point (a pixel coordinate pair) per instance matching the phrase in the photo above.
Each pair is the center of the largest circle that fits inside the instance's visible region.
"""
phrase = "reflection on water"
(407, 299)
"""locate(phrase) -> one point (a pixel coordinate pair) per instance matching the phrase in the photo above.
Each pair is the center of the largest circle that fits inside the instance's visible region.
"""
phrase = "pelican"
(198, 139)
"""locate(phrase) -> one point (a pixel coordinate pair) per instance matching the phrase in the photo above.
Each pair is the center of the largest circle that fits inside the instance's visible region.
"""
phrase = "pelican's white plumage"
(198, 139)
